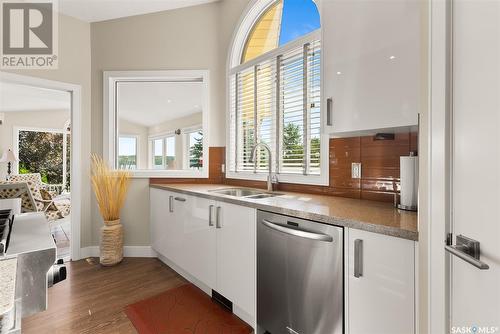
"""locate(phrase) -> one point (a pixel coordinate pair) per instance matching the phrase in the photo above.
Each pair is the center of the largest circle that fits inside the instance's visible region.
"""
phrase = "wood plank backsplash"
(379, 168)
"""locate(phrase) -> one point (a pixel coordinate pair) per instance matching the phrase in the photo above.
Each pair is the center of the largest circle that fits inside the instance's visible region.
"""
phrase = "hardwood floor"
(92, 298)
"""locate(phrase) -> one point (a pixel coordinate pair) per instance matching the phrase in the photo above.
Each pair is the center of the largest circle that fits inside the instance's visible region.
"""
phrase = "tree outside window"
(42, 152)
(196, 150)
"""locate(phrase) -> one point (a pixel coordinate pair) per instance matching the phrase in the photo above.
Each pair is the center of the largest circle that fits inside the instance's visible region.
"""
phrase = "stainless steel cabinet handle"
(218, 224)
(358, 258)
(467, 258)
(297, 232)
(468, 250)
(171, 203)
(210, 209)
(329, 109)
(180, 199)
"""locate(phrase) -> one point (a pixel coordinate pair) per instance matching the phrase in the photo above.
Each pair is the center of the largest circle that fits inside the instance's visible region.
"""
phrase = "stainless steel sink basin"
(245, 192)
(237, 192)
(266, 195)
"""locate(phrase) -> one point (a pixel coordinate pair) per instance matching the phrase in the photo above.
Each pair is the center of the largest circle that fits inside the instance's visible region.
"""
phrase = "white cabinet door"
(161, 219)
(382, 299)
(197, 252)
(236, 255)
(214, 242)
(371, 59)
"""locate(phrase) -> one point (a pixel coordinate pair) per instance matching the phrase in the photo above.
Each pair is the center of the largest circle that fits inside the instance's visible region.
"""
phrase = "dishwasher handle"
(297, 232)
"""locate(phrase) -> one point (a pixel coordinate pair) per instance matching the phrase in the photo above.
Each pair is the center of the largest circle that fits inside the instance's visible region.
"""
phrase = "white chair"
(32, 199)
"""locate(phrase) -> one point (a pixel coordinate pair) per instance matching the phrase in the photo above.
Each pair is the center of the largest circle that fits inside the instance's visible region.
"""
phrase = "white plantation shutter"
(276, 100)
(245, 118)
(233, 103)
(292, 111)
(314, 102)
(266, 110)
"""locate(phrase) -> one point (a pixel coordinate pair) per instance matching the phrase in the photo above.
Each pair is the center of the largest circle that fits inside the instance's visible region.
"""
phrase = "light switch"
(356, 170)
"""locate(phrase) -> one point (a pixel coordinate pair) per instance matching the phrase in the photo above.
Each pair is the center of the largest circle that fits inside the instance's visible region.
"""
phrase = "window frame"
(110, 128)
(233, 68)
(163, 137)
(137, 153)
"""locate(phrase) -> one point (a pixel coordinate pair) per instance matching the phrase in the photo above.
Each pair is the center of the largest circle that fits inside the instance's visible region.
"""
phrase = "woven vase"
(111, 243)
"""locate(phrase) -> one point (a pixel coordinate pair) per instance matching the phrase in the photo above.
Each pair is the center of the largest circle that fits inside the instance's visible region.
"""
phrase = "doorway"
(44, 154)
(40, 124)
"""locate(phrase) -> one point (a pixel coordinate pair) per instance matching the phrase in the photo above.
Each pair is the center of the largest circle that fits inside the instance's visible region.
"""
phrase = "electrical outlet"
(356, 170)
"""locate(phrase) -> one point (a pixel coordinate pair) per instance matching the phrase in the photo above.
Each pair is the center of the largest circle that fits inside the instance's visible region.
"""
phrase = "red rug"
(185, 309)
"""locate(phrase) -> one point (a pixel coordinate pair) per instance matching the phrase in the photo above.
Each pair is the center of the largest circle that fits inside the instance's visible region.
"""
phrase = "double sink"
(245, 193)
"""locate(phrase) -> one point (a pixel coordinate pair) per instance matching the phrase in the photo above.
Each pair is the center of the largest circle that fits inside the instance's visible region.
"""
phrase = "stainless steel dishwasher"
(299, 276)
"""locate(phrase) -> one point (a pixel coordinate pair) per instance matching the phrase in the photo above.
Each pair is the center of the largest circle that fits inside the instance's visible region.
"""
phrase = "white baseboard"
(128, 251)
(91, 251)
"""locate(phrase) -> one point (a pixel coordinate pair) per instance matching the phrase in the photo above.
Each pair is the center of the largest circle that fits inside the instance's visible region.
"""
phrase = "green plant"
(23, 169)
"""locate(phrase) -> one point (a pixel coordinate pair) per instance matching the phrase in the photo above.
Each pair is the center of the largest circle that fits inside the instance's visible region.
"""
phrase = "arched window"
(274, 87)
(283, 22)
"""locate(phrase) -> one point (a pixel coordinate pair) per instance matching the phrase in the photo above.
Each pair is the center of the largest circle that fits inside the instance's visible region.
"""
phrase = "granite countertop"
(8, 269)
(365, 215)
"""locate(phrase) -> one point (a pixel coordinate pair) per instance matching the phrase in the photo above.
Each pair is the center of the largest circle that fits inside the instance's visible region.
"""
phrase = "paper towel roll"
(409, 182)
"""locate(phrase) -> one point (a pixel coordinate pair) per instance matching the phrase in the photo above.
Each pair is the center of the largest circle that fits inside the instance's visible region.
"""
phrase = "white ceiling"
(101, 10)
(14, 97)
(152, 103)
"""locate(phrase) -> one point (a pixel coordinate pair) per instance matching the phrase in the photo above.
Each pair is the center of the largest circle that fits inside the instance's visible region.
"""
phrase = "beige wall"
(189, 38)
(74, 67)
(30, 119)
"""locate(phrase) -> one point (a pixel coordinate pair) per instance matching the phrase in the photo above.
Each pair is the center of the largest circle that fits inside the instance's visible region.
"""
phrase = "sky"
(158, 147)
(126, 146)
(299, 18)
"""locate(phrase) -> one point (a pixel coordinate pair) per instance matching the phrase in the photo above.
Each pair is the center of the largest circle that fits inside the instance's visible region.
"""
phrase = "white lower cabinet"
(380, 284)
(198, 256)
(236, 255)
(214, 242)
(163, 224)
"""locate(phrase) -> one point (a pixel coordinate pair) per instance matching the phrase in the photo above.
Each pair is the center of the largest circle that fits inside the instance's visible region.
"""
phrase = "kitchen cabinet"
(380, 284)
(372, 69)
(236, 255)
(180, 231)
(162, 220)
(212, 241)
(198, 249)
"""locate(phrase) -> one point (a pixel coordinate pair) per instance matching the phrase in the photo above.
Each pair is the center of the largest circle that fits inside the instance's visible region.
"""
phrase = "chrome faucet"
(270, 163)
